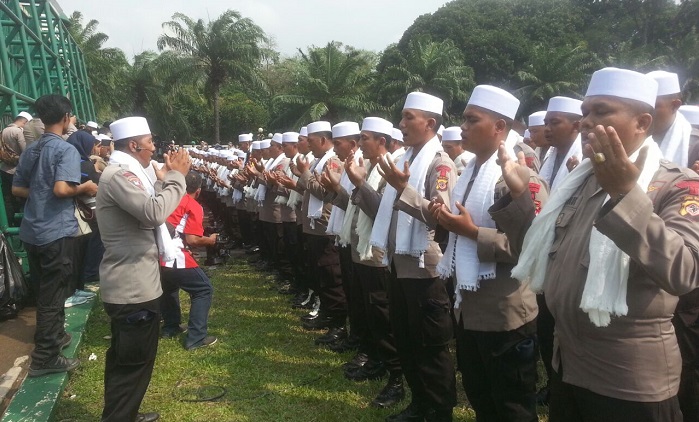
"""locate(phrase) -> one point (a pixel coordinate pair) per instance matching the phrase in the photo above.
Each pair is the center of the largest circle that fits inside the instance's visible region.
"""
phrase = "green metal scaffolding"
(37, 57)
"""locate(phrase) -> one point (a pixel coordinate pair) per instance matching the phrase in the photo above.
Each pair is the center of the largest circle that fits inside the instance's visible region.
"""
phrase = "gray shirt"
(47, 217)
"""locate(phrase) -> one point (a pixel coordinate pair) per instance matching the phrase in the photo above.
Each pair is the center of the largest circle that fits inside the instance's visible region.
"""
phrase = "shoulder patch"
(692, 186)
(690, 206)
(133, 179)
(654, 186)
(443, 170)
(280, 167)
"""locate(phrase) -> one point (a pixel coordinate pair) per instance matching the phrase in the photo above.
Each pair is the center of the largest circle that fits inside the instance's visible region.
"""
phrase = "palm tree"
(222, 51)
(330, 83)
(551, 72)
(434, 67)
(106, 67)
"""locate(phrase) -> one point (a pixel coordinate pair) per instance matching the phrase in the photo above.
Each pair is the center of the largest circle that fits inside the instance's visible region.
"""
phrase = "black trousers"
(355, 311)
(12, 203)
(498, 371)
(420, 315)
(130, 358)
(245, 227)
(293, 249)
(371, 285)
(544, 331)
(51, 266)
(686, 324)
(273, 234)
(570, 403)
(325, 266)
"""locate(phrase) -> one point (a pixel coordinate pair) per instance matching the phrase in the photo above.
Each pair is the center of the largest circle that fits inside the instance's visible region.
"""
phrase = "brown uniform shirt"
(503, 303)
(271, 211)
(439, 182)
(311, 186)
(636, 357)
(13, 138)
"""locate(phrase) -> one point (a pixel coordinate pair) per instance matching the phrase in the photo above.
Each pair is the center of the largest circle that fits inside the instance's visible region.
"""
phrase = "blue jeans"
(198, 286)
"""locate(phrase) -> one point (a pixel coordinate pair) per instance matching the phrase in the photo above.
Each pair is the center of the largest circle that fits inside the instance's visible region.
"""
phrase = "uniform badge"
(534, 188)
(529, 161)
(655, 186)
(443, 178)
(133, 179)
(537, 207)
(690, 206)
(691, 185)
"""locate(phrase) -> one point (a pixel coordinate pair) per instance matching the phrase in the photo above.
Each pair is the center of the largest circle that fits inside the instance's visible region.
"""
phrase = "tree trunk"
(217, 117)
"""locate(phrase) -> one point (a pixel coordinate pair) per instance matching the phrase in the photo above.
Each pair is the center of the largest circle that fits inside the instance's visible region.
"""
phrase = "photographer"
(184, 273)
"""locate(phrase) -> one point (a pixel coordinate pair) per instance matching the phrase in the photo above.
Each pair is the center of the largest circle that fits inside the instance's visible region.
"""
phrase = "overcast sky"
(134, 25)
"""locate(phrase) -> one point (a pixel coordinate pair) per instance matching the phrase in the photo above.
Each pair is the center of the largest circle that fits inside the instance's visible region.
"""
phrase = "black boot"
(391, 394)
(320, 323)
(358, 360)
(348, 344)
(372, 370)
(334, 335)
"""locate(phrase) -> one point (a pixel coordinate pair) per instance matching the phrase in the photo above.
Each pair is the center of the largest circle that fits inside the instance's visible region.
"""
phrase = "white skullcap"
(129, 127)
(526, 134)
(265, 143)
(494, 99)
(102, 137)
(623, 83)
(290, 137)
(451, 134)
(320, 126)
(343, 129)
(92, 124)
(256, 145)
(25, 115)
(303, 131)
(537, 119)
(668, 82)
(565, 105)
(245, 137)
(691, 113)
(378, 125)
(277, 138)
(397, 135)
(440, 131)
(240, 153)
(424, 102)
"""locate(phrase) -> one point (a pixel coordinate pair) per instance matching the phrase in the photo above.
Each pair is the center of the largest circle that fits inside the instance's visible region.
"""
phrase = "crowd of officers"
(416, 235)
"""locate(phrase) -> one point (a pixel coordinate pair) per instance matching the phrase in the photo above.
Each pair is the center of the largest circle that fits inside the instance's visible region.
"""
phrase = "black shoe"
(147, 417)
(61, 364)
(391, 394)
(542, 397)
(65, 341)
(181, 329)
(320, 323)
(334, 335)
(372, 370)
(208, 341)
(411, 413)
(253, 250)
(309, 316)
(360, 359)
(347, 345)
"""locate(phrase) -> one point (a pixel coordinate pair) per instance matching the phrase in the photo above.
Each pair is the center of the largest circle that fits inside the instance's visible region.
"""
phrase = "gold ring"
(600, 158)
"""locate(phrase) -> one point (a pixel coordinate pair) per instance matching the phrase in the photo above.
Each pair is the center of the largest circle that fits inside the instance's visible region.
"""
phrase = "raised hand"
(615, 172)
(355, 172)
(330, 180)
(302, 165)
(178, 161)
(572, 163)
(394, 177)
(515, 174)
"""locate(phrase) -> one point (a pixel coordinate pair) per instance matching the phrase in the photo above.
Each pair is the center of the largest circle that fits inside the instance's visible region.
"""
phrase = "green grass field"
(267, 364)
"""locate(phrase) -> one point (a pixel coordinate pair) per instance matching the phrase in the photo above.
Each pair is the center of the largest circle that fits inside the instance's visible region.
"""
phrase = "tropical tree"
(331, 83)
(428, 66)
(551, 72)
(106, 67)
(226, 50)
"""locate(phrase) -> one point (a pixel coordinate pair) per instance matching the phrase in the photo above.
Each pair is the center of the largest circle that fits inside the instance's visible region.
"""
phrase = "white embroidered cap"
(320, 126)
(265, 143)
(343, 129)
(92, 124)
(424, 102)
(494, 99)
(303, 131)
(668, 82)
(537, 119)
(277, 138)
(623, 83)
(397, 135)
(129, 127)
(378, 125)
(452, 134)
(256, 145)
(290, 137)
(565, 105)
(691, 113)
(25, 115)
(245, 137)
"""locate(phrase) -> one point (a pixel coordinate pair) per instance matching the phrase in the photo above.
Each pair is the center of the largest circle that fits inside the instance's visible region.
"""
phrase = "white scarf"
(675, 143)
(605, 286)
(345, 235)
(283, 200)
(261, 193)
(166, 246)
(547, 169)
(395, 155)
(462, 161)
(411, 234)
(294, 196)
(462, 249)
(365, 223)
(315, 205)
